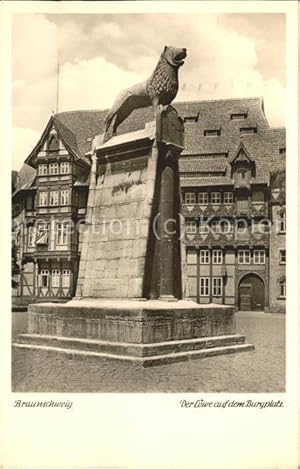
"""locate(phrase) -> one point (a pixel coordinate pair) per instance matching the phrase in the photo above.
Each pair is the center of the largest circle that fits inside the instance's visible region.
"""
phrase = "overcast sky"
(232, 55)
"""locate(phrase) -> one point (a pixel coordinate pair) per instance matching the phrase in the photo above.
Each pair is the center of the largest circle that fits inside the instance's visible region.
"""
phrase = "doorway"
(251, 293)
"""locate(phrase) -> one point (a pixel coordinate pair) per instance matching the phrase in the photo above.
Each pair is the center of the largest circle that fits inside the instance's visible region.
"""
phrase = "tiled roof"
(29, 184)
(80, 127)
(204, 165)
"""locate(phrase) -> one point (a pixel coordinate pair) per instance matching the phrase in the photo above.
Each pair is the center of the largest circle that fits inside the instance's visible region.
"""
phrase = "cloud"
(102, 54)
(85, 84)
(23, 142)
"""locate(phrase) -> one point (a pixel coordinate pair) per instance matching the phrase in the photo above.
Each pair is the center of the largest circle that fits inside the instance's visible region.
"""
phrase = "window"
(244, 256)
(31, 237)
(282, 285)
(55, 276)
(282, 225)
(62, 234)
(65, 168)
(65, 197)
(66, 275)
(42, 170)
(226, 226)
(212, 132)
(217, 284)
(53, 168)
(216, 198)
(203, 198)
(191, 227)
(258, 197)
(282, 151)
(53, 143)
(29, 203)
(204, 286)
(42, 234)
(215, 226)
(228, 197)
(44, 278)
(190, 198)
(189, 119)
(282, 256)
(259, 256)
(42, 228)
(248, 130)
(203, 227)
(204, 256)
(53, 198)
(238, 115)
(43, 199)
(264, 226)
(217, 257)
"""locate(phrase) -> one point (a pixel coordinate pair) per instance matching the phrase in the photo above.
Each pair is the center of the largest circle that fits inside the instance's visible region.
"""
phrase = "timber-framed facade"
(233, 202)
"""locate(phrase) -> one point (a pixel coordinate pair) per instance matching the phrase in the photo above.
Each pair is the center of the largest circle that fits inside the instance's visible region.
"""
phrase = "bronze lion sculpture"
(160, 89)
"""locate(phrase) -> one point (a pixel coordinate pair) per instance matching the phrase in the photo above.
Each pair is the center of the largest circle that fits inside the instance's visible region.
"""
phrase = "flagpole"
(57, 85)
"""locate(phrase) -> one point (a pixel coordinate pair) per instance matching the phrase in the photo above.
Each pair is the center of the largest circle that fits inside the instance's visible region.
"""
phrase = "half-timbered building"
(230, 204)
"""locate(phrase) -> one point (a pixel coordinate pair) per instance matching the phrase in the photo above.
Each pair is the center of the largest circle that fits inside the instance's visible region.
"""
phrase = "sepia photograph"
(149, 242)
(148, 202)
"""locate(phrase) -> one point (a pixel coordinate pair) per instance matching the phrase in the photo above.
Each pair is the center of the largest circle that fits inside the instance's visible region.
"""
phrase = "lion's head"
(174, 55)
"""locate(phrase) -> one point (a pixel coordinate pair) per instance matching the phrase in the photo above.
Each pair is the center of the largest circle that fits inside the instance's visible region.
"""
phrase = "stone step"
(177, 355)
(132, 349)
(143, 361)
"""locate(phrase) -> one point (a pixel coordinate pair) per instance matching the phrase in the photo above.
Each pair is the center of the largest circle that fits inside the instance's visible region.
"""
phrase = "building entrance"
(251, 293)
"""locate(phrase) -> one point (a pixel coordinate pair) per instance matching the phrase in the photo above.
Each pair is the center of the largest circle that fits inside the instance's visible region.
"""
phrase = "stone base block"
(147, 332)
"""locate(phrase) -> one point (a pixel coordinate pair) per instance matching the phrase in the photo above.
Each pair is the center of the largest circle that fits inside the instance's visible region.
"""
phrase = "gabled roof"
(78, 128)
(241, 153)
(64, 134)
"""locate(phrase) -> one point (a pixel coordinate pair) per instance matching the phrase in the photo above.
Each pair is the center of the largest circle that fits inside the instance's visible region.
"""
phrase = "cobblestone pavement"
(259, 371)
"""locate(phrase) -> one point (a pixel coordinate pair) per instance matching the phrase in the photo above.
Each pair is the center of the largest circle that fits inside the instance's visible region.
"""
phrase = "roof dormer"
(243, 167)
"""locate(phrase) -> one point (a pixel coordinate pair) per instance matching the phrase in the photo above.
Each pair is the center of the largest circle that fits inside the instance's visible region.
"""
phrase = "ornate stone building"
(232, 173)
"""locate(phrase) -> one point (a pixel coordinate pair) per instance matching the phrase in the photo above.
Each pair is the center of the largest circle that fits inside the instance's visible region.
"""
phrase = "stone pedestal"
(128, 303)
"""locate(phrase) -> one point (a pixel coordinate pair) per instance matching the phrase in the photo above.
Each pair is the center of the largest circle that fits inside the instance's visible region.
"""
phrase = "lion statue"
(160, 89)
